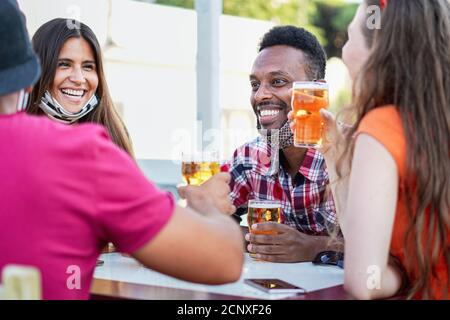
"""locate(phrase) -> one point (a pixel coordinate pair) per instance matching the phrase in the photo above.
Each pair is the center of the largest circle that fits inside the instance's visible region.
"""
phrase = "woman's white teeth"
(265, 113)
(70, 92)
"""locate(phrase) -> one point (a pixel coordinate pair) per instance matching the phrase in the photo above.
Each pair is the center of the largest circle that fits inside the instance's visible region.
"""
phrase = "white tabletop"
(306, 275)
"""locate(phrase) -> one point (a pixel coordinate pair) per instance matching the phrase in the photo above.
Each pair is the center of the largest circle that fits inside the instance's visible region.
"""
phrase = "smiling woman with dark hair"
(72, 88)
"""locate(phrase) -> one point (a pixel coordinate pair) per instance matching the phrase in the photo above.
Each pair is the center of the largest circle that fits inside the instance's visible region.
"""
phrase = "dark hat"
(19, 65)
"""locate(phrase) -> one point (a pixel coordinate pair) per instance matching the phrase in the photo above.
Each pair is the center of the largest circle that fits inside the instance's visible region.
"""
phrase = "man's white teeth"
(265, 113)
(70, 92)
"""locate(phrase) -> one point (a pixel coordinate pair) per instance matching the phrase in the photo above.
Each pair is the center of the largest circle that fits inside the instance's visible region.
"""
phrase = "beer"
(197, 172)
(307, 100)
(263, 211)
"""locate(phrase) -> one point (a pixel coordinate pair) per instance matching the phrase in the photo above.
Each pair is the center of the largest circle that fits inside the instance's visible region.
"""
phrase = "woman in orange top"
(398, 201)
(392, 187)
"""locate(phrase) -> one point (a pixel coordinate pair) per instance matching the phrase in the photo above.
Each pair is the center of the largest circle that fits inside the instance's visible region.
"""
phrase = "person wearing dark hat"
(68, 190)
(19, 66)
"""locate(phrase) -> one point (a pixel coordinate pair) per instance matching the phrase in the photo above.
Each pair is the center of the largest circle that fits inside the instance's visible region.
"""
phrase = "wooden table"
(123, 278)
(110, 289)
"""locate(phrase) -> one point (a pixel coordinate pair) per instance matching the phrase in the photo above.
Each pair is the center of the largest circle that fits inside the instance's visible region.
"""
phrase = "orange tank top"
(385, 125)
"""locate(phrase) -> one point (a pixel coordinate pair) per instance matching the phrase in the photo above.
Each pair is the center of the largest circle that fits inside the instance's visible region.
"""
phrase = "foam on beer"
(308, 85)
(264, 205)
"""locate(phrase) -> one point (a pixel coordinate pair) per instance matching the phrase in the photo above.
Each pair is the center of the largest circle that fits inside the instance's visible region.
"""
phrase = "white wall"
(93, 12)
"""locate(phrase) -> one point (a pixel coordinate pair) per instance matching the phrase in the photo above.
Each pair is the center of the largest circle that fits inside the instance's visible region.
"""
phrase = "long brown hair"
(409, 67)
(47, 42)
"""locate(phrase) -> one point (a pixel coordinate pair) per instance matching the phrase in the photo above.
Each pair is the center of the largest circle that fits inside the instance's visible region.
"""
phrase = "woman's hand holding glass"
(332, 133)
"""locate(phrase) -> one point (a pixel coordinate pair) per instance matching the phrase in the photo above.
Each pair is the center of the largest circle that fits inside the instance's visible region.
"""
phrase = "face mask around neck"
(54, 110)
(278, 138)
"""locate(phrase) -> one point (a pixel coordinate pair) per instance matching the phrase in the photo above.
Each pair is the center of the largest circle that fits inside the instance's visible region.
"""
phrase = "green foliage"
(343, 100)
(279, 11)
(282, 12)
(188, 4)
(333, 17)
(326, 19)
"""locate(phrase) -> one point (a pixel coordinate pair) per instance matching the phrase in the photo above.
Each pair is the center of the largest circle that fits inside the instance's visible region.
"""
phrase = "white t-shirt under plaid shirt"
(305, 204)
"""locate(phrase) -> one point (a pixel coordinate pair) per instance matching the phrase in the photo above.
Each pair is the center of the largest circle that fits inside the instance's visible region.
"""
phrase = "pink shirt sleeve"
(131, 210)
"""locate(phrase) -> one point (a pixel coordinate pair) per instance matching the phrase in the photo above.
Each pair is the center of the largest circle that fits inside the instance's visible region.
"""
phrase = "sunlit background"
(150, 48)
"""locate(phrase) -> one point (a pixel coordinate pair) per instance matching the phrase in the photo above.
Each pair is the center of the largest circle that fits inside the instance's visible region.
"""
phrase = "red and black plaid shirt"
(257, 175)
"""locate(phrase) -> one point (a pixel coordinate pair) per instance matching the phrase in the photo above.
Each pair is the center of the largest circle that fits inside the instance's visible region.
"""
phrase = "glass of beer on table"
(307, 99)
(197, 167)
(263, 211)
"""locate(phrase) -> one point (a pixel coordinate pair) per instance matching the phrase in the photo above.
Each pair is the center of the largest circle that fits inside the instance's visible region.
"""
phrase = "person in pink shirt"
(67, 191)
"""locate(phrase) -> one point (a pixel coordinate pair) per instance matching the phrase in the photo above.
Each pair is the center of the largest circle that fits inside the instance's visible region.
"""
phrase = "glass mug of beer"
(198, 167)
(307, 100)
(263, 211)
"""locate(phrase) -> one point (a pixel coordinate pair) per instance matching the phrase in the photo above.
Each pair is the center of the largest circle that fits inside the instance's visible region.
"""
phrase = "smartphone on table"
(274, 286)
